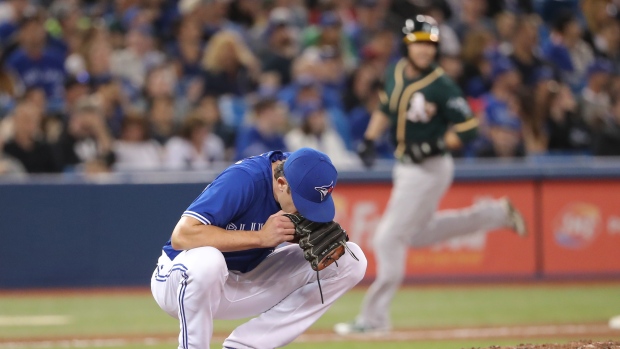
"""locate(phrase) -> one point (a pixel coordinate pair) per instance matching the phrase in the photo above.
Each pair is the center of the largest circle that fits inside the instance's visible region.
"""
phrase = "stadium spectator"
(37, 64)
(524, 53)
(162, 124)
(381, 50)
(162, 81)
(535, 105)
(186, 50)
(11, 13)
(230, 67)
(567, 130)
(93, 57)
(596, 14)
(607, 43)
(282, 45)
(266, 130)
(209, 110)
(196, 147)
(477, 55)
(66, 18)
(607, 137)
(10, 88)
(332, 72)
(365, 97)
(505, 27)
(567, 51)
(139, 56)
(27, 144)
(329, 32)
(595, 100)
(8, 165)
(36, 98)
(108, 95)
(214, 16)
(307, 89)
(368, 22)
(470, 16)
(75, 90)
(501, 124)
(316, 132)
(136, 150)
(359, 85)
(86, 143)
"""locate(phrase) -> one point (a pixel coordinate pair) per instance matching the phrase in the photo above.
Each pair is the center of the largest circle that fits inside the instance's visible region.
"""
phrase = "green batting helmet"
(421, 29)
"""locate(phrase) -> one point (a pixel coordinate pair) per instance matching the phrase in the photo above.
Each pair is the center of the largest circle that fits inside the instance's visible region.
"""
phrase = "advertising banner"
(581, 227)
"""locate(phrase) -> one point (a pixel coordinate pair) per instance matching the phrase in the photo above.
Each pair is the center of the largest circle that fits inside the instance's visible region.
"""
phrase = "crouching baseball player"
(222, 263)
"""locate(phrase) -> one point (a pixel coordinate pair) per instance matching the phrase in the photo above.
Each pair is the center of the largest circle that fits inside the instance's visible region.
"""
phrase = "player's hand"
(367, 152)
(277, 229)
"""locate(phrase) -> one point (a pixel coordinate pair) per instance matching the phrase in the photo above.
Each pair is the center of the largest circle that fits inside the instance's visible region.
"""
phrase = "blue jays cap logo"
(325, 190)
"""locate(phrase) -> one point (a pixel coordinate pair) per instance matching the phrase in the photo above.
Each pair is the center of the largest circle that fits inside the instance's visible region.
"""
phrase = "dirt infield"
(522, 333)
(583, 344)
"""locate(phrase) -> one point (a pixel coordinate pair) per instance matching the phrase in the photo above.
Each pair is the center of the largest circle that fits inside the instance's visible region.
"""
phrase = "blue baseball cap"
(312, 178)
(501, 66)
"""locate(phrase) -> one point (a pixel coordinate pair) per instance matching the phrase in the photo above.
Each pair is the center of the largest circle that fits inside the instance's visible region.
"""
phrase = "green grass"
(385, 345)
(426, 307)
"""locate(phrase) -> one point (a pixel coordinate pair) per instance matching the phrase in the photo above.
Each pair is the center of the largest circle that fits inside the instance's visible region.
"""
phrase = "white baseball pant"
(282, 291)
(411, 220)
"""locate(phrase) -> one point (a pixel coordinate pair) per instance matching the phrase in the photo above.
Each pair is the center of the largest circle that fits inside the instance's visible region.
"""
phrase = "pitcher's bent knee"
(205, 264)
(355, 269)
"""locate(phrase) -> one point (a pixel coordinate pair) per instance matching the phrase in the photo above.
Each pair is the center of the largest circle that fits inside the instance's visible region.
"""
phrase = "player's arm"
(191, 233)
(379, 122)
(464, 123)
(377, 125)
(230, 195)
(462, 133)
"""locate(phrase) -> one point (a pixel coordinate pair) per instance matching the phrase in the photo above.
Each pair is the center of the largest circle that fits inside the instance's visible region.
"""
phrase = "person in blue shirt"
(37, 64)
(266, 131)
(227, 257)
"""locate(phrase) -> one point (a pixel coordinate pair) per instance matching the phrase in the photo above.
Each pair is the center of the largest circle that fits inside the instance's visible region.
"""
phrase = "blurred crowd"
(96, 86)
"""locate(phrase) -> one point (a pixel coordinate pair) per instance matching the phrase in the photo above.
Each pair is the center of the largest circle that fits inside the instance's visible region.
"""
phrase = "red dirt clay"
(518, 333)
(583, 344)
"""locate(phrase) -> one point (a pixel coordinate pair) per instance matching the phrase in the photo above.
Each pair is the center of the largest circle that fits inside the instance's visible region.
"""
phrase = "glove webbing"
(318, 280)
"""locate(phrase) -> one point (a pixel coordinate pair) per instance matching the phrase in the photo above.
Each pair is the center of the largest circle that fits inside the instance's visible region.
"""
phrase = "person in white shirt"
(136, 150)
(316, 132)
(197, 148)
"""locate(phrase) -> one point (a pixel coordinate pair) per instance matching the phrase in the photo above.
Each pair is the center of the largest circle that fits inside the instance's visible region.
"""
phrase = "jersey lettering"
(253, 226)
(460, 105)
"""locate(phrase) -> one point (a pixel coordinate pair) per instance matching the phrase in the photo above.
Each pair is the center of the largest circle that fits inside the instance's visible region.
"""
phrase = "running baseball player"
(420, 104)
(222, 263)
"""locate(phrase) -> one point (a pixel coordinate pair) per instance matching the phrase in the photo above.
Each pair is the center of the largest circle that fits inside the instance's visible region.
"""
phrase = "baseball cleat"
(352, 328)
(614, 322)
(515, 219)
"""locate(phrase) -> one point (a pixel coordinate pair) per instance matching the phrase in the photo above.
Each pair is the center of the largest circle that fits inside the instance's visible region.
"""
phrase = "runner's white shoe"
(352, 328)
(515, 219)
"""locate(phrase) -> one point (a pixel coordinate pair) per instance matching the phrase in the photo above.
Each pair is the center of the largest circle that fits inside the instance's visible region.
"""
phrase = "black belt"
(417, 152)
